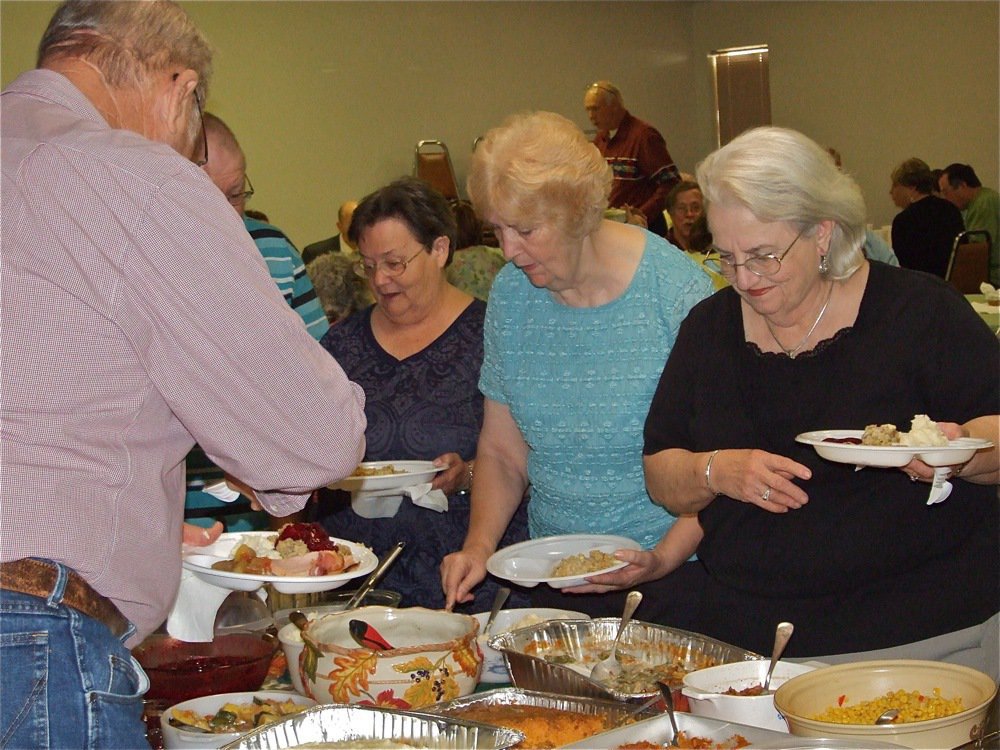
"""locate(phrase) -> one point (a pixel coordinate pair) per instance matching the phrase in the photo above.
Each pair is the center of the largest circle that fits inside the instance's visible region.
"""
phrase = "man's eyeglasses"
(390, 266)
(201, 120)
(204, 138)
(758, 265)
(235, 199)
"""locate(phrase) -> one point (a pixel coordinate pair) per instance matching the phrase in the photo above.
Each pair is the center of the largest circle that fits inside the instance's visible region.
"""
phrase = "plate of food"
(882, 445)
(559, 561)
(298, 559)
(388, 475)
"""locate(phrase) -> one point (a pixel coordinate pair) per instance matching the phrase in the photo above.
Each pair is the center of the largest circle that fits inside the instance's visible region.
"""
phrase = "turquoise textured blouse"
(579, 381)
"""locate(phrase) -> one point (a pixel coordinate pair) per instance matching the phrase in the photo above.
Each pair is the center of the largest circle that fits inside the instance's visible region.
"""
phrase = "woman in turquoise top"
(579, 324)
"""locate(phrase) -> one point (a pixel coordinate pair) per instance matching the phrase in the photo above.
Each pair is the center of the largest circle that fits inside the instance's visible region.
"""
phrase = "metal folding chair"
(432, 163)
(969, 264)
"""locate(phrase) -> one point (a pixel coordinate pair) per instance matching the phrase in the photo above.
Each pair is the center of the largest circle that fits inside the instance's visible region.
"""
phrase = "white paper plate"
(199, 561)
(887, 456)
(530, 563)
(410, 473)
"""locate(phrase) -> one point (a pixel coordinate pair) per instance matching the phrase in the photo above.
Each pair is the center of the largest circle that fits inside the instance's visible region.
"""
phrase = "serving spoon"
(781, 635)
(498, 601)
(668, 700)
(376, 575)
(606, 670)
(888, 716)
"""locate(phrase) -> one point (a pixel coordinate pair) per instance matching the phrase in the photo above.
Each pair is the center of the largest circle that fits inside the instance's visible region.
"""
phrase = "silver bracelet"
(708, 472)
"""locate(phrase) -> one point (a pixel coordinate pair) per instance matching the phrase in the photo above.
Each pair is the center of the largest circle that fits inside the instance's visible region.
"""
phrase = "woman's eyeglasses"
(758, 265)
(390, 266)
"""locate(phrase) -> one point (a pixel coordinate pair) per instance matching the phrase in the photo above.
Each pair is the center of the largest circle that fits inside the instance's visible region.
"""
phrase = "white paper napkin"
(385, 503)
(425, 497)
(940, 487)
(193, 615)
(222, 491)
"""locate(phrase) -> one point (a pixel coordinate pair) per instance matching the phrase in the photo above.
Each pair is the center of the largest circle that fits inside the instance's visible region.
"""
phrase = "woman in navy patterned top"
(417, 354)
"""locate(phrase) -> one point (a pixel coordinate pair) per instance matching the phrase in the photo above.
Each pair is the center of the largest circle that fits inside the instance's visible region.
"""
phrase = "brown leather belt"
(38, 578)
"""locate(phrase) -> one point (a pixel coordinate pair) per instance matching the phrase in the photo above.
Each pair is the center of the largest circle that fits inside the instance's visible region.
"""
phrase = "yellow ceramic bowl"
(434, 658)
(809, 694)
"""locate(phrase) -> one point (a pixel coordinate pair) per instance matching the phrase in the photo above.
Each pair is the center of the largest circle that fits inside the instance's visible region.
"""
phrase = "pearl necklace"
(794, 351)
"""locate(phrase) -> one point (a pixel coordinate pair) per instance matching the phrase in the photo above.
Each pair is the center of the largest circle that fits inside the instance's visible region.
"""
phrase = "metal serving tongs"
(375, 576)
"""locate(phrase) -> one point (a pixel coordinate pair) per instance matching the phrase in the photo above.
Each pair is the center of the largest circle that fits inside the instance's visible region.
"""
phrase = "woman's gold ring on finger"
(767, 494)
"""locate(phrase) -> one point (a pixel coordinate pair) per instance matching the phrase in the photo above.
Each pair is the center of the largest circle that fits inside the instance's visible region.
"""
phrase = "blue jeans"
(65, 680)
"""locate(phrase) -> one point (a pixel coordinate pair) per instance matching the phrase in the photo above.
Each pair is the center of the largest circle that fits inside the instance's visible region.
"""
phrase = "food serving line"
(433, 679)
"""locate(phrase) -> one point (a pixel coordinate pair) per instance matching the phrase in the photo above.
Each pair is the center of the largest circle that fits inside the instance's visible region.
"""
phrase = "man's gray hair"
(127, 40)
(781, 175)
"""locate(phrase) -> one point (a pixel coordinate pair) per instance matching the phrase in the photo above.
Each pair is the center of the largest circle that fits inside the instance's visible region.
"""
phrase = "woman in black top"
(924, 231)
(812, 336)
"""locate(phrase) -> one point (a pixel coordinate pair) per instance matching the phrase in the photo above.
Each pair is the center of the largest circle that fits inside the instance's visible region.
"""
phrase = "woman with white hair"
(809, 336)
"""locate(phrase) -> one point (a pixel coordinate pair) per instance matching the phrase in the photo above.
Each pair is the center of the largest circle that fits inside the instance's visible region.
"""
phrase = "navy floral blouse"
(417, 408)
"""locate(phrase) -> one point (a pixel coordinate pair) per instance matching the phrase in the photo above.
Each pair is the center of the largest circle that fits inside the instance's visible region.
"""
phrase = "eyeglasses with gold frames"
(758, 265)
(391, 267)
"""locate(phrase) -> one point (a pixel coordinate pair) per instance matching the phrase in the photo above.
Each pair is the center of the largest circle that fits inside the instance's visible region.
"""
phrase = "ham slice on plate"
(320, 563)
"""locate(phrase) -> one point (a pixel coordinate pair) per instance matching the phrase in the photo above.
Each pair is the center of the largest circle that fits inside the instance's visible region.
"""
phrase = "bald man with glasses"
(226, 164)
(643, 170)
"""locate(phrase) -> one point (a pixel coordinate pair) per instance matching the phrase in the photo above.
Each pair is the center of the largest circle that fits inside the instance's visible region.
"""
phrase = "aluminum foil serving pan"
(659, 731)
(349, 725)
(615, 711)
(557, 656)
(547, 720)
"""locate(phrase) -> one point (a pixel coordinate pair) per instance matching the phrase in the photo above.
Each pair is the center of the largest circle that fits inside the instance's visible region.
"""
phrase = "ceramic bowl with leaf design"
(381, 656)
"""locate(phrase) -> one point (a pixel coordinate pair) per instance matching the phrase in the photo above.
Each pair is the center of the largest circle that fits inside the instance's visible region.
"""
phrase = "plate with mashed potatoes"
(883, 445)
(388, 475)
(559, 561)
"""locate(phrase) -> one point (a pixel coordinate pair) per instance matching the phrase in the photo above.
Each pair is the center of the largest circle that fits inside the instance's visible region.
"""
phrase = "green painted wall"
(330, 98)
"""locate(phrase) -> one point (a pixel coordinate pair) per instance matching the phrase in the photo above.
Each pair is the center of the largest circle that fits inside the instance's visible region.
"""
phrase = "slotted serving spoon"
(606, 670)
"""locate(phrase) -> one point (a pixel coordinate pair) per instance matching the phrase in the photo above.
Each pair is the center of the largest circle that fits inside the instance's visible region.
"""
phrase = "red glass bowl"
(179, 670)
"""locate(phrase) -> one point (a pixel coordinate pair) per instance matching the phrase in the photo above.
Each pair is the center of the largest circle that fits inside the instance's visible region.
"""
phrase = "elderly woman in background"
(340, 290)
(684, 204)
(417, 354)
(924, 231)
(811, 336)
(579, 323)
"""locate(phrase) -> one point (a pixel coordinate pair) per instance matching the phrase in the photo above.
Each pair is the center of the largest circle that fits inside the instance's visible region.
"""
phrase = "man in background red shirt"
(643, 170)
